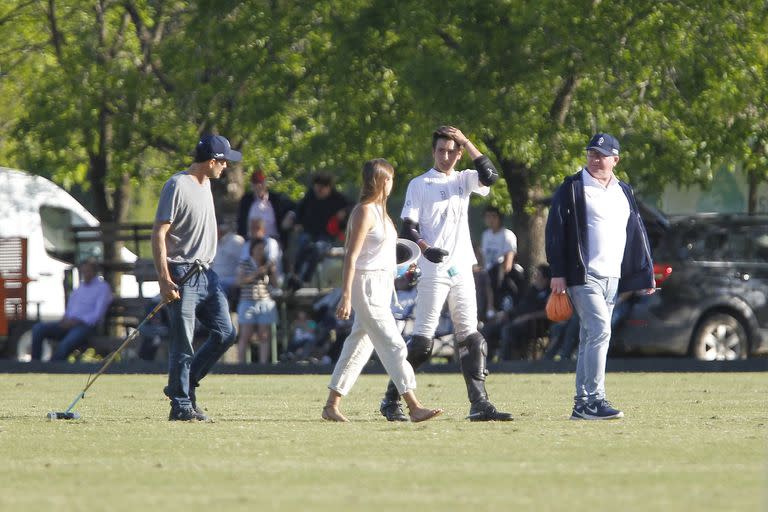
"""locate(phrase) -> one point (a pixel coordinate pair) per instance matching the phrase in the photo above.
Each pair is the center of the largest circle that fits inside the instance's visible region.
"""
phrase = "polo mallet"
(197, 266)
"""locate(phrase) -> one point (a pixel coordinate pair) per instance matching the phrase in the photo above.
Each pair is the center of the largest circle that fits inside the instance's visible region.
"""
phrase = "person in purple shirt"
(86, 307)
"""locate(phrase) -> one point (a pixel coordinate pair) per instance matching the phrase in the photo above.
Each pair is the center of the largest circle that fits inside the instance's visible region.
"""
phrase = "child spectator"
(303, 336)
(257, 311)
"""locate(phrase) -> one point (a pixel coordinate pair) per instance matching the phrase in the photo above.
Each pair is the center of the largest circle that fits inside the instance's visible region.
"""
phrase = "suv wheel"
(720, 337)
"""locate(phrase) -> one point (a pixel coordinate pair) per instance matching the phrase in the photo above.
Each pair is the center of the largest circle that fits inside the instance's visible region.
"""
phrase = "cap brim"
(233, 156)
(602, 150)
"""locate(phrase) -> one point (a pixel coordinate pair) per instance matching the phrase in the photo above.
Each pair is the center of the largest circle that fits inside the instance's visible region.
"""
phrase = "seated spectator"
(257, 311)
(274, 208)
(86, 307)
(228, 255)
(564, 336)
(154, 333)
(331, 331)
(529, 318)
(563, 339)
(320, 221)
(303, 337)
(499, 249)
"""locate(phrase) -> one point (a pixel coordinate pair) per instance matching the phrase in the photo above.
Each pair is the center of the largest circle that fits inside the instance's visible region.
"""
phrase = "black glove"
(435, 254)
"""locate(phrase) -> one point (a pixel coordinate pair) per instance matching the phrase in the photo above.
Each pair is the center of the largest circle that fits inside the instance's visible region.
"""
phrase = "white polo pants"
(433, 291)
(374, 328)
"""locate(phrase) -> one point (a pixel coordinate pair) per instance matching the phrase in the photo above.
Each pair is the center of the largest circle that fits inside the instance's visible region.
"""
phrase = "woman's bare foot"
(332, 413)
(423, 414)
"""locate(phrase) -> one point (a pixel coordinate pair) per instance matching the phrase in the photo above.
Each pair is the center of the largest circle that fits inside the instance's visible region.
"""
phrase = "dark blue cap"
(216, 146)
(604, 143)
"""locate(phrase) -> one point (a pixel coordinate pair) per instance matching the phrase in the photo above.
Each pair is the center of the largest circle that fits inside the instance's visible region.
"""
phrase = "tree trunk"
(753, 181)
(98, 172)
(527, 223)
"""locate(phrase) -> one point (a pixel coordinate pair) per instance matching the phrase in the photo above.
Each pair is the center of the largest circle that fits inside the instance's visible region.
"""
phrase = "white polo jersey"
(439, 203)
(607, 216)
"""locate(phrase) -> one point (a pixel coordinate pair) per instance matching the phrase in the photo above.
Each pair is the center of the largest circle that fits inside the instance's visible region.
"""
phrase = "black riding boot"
(419, 351)
(472, 355)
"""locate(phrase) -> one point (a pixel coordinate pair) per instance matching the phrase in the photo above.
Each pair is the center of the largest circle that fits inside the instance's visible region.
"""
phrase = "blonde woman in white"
(368, 282)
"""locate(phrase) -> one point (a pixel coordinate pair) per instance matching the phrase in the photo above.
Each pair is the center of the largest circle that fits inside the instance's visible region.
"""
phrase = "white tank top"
(378, 251)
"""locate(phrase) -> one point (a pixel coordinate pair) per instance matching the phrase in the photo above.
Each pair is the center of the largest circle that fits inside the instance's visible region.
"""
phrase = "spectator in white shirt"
(499, 248)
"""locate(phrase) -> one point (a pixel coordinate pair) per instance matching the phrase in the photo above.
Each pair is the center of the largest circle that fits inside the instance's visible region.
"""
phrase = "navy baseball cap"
(604, 143)
(216, 146)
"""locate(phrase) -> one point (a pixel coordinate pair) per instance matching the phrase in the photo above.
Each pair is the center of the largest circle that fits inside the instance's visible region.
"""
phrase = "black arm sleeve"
(410, 230)
(485, 170)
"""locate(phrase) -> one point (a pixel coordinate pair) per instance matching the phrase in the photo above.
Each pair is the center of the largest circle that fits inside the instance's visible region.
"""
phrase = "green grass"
(691, 442)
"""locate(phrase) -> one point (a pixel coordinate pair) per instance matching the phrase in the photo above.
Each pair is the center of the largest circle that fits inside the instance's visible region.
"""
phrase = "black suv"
(712, 302)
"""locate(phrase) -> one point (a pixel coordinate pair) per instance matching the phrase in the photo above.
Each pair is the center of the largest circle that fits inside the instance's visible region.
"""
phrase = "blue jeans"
(593, 302)
(203, 299)
(69, 339)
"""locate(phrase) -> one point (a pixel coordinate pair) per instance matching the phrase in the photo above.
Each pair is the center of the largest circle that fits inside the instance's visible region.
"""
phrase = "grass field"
(691, 442)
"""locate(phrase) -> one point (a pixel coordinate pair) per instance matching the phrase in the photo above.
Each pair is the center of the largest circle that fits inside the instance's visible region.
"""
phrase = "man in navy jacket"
(597, 247)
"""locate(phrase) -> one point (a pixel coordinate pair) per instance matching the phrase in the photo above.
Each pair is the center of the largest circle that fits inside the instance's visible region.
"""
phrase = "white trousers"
(374, 328)
(433, 290)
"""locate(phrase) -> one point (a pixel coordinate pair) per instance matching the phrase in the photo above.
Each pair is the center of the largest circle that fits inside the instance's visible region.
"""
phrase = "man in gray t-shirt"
(187, 206)
(185, 233)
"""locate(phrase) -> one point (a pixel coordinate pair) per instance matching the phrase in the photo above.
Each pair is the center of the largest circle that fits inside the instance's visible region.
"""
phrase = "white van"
(37, 209)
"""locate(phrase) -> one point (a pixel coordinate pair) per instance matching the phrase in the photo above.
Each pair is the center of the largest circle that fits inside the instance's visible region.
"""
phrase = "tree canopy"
(108, 93)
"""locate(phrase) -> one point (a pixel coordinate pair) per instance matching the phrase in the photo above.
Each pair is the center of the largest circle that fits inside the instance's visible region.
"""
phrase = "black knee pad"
(419, 350)
(474, 342)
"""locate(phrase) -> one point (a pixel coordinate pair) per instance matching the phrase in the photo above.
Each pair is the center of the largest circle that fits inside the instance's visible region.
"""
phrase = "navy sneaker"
(392, 410)
(601, 410)
(185, 414)
(578, 411)
(195, 407)
(486, 411)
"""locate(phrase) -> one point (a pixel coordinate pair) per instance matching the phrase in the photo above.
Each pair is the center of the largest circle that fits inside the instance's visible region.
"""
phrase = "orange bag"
(559, 308)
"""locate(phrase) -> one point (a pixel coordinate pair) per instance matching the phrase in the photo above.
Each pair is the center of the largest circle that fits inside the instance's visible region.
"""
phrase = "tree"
(110, 93)
(729, 96)
(532, 82)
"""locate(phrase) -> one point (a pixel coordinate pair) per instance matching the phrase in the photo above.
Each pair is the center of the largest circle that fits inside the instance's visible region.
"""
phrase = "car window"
(738, 244)
(758, 238)
(702, 243)
(700, 240)
(56, 223)
(731, 243)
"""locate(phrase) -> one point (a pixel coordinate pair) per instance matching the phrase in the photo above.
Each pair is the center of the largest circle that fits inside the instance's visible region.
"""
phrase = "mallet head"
(63, 416)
